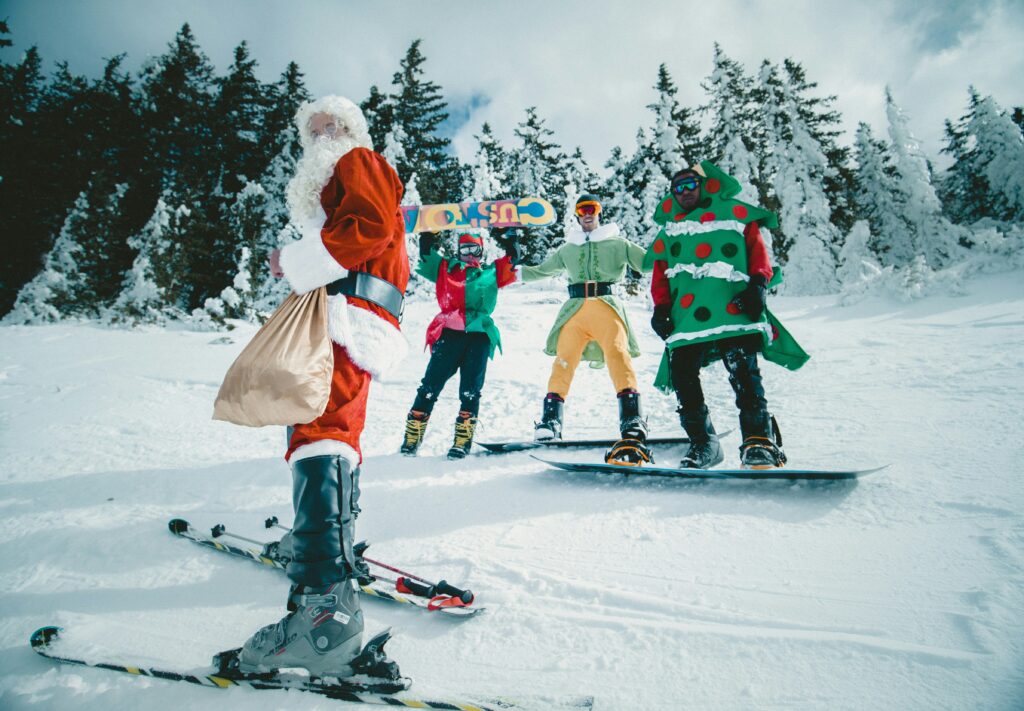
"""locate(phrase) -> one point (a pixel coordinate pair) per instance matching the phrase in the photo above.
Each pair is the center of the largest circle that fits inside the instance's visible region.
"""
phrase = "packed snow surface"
(903, 590)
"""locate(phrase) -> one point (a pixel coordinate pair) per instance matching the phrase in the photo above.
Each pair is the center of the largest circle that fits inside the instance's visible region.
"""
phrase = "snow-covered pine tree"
(55, 292)
(962, 188)
(878, 199)
(857, 263)
(419, 108)
(379, 113)
(730, 141)
(283, 99)
(537, 163)
(239, 111)
(795, 167)
(621, 205)
(934, 236)
(998, 158)
(277, 229)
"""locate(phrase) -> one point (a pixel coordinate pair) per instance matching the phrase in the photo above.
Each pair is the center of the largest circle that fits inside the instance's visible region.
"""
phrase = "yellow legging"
(595, 321)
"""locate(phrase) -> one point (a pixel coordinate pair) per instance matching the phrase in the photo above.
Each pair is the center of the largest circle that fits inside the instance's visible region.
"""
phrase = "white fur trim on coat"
(326, 447)
(306, 262)
(372, 343)
(749, 328)
(699, 228)
(576, 235)
(717, 270)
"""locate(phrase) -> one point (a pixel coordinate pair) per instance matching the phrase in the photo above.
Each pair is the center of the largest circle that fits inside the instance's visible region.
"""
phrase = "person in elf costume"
(462, 337)
(344, 200)
(711, 275)
(592, 325)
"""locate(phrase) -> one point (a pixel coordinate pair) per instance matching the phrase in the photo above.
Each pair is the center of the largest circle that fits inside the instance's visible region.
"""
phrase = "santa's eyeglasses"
(684, 184)
(471, 250)
(330, 130)
(588, 208)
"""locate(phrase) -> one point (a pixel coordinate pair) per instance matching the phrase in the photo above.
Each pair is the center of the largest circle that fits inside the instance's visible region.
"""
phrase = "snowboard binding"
(759, 452)
(629, 452)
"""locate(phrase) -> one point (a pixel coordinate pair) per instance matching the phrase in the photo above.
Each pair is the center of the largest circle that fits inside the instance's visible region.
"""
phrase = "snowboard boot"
(550, 425)
(322, 633)
(465, 427)
(705, 450)
(762, 441)
(415, 428)
(631, 450)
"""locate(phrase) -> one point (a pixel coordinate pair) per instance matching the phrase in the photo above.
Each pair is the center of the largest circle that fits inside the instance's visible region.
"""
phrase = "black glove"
(661, 321)
(427, 242)
(751, 300)
(514, 252)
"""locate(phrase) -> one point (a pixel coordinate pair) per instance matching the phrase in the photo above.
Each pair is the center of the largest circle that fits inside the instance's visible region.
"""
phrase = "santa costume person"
(462, 337)
(344, 199)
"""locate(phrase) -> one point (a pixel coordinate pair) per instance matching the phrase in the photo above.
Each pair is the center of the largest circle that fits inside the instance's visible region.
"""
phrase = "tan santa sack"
(283, 377)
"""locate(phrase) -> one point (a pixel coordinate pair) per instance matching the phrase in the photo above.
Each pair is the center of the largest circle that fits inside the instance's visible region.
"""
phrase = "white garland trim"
(326, 447)
(371, 342)
(693, 335)
(699, 228)
(577, 236)
(715, 270)
(306, 262)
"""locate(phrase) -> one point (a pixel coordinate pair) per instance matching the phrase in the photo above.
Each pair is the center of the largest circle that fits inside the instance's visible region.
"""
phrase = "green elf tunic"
(601, 255)
(706, 256)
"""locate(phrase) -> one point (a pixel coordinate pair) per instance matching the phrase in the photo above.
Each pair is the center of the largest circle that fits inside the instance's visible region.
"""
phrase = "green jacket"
(601, 255)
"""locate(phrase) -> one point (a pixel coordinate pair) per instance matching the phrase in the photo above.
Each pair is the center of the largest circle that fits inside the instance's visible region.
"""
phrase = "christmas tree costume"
(592, 325)
(462, 337)
(344, 200)
(711, 272)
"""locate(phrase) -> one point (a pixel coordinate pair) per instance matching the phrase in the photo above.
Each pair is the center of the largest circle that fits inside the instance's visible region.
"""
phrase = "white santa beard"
(312, 172)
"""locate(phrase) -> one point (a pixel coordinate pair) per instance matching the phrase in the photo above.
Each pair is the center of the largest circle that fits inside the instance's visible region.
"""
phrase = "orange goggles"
(588, 208)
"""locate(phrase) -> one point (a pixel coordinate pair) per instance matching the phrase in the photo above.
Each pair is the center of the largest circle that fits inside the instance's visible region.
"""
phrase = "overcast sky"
(589, 67)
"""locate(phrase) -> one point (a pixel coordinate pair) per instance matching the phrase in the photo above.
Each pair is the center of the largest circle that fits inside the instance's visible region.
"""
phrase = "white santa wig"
(345, 113)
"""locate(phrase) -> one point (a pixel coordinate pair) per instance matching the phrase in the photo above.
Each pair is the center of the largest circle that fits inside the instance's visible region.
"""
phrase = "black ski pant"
(455, 351)
(739, 355)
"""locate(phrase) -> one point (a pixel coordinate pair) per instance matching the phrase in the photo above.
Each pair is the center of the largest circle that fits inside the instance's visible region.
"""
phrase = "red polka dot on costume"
(732, 308)
(703, 250)
(666, 206)
(659, 246)
(708, 217)
(713, 186)
(775, 332)
(686, 301)
(679, 217)
(739, 211)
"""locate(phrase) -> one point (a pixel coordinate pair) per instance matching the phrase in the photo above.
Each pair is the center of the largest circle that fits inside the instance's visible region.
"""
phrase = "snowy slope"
(902, 591)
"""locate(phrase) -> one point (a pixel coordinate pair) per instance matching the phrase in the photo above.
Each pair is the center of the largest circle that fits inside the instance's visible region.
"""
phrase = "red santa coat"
(361, 230)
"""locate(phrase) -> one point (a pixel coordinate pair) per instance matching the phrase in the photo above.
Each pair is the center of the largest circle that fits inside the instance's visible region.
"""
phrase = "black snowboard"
(503, 447)
(792, 474)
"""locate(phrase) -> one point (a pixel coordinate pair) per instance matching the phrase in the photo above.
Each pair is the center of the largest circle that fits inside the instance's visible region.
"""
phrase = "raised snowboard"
(504, 447)
(791, 474)
(524, 212)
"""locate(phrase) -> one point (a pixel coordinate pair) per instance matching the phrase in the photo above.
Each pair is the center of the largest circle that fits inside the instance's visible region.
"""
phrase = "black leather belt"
(370, 288)
(590, 289)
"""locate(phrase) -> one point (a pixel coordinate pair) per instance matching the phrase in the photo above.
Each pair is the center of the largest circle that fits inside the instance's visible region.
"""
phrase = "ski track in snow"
(903, 590)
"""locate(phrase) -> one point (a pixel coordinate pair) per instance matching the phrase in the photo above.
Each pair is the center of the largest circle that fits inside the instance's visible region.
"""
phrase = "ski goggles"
(684, 184)
(471, 250)
(588, 208)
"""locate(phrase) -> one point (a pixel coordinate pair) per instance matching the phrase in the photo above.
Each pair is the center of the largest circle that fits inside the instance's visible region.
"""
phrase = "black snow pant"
(455, 351)
(740, 358)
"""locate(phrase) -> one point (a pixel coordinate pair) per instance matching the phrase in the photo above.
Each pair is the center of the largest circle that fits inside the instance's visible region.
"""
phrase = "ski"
(524, 212)
(781, 473)
(215, 676)
(506, 447)
(392, 591)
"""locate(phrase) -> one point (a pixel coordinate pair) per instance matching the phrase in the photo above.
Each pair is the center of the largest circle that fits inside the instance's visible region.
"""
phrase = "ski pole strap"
(440, 601)
(370, 288)
(590, 289)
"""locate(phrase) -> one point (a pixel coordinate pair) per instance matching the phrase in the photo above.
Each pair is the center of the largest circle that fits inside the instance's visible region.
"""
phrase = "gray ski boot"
(705, 450)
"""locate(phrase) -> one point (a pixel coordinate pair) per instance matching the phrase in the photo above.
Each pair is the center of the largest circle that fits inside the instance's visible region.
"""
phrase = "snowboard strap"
(368, 287)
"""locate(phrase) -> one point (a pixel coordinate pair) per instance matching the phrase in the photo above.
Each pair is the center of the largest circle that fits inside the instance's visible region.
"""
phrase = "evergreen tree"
(537, 165)
(731, 141)
(379, 113)
(794, 168)
(55, 291)
(621, 205)
(963, 189)
(933, 235)
(144, 292)
(998, 160)
(878, 200)
(277, 230)
(284, 98)
(488, 174)
(239, 111)
(856, 260)
(418, 107)
(668, 146)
